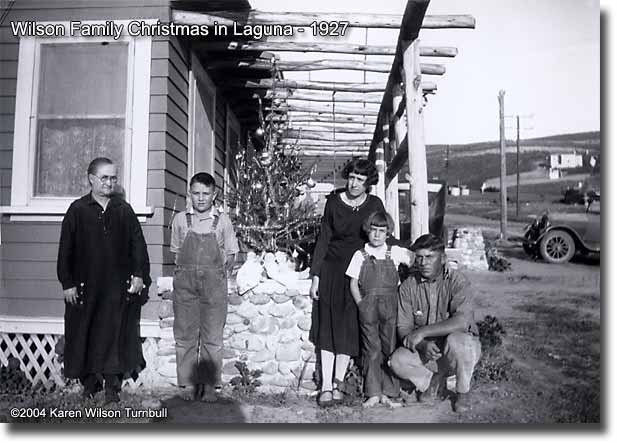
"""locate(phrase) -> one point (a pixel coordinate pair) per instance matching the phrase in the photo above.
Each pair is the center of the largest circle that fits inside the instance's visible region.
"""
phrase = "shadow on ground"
(197, 412)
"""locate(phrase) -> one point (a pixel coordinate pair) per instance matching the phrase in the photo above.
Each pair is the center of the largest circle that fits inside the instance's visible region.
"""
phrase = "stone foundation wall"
(468, 249)
(267, 328)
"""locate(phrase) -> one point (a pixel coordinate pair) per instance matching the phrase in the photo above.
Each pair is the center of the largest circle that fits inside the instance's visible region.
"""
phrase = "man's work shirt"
(202, 224)
(422, 302)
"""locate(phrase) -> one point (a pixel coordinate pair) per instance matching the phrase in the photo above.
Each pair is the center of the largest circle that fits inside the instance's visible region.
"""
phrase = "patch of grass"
(494, 365)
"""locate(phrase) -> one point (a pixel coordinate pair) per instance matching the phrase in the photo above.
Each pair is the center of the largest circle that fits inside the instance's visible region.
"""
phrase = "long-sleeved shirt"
(422, 302)
(202, 224)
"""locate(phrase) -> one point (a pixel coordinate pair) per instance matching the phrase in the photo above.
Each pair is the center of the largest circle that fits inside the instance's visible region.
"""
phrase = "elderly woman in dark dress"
(335, 329)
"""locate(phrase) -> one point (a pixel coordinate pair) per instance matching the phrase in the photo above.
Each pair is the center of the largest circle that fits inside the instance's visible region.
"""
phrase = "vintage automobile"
(556, 237)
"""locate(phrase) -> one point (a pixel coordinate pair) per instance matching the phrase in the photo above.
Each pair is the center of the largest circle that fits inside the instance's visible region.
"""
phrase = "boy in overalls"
(374, 286)
(205, 245)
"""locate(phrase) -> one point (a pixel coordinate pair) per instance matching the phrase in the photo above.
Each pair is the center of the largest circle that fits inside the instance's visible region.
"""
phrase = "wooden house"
(164, 106)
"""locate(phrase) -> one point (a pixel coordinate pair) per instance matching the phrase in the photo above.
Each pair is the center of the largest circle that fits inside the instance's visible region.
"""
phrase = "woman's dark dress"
(334, 325)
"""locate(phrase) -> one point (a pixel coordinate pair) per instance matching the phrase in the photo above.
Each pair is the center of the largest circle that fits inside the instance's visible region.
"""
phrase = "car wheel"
(557, 247)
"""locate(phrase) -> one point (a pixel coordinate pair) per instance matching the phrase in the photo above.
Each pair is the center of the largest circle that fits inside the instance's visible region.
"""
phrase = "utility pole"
(502, 176)
(518, 174)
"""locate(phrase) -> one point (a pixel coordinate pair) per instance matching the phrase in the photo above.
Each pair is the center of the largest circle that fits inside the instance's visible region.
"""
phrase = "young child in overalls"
(374, 286)
(205, 245)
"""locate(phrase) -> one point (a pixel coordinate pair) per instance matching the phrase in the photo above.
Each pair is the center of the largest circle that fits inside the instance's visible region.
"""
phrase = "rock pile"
(469, 250)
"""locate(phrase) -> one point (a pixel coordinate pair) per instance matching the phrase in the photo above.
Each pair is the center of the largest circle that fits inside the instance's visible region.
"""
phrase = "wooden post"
(380, 163)
(518, 172)
(399, 131)
(418, 185)
(502, 174)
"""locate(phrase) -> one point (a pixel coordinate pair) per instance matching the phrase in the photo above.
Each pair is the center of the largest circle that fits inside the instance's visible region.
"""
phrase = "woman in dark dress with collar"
(335, 330)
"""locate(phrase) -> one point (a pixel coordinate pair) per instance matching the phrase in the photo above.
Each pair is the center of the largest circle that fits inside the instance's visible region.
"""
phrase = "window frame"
(24, 205)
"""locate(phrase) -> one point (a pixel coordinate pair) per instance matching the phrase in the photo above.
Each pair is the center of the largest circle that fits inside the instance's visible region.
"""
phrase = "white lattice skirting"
(33, 341)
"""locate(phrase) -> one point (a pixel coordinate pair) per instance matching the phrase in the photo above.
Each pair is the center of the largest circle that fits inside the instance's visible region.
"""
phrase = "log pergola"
(329, 122)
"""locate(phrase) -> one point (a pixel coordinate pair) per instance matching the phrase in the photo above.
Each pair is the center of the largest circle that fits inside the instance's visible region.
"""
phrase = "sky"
(544, 53)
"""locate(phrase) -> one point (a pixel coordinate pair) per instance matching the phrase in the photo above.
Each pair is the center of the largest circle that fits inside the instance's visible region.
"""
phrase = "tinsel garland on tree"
(266, 206)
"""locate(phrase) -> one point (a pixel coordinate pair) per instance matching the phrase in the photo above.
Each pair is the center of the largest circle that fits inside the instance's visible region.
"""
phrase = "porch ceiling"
(328, 131)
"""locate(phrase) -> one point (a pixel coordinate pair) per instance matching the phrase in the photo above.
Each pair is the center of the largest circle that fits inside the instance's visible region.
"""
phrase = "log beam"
(324, 136)
(305, 19)
(333, 153)
(320, 144)
(337, 128)
(305, 117)
(319, 65)
(345, 110)
(337, 48)
(340, 97)
(267, 83)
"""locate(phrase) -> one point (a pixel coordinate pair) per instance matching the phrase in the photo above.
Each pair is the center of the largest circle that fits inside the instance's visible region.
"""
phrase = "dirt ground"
(551, 350)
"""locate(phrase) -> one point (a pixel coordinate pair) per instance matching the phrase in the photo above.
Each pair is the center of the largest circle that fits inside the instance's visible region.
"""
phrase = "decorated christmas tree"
(270, 206)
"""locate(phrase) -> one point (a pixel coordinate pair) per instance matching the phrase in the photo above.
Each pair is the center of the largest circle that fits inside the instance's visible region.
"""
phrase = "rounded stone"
(270, 368)
(227, 332)
(262, 356)
(247, 310)
(229, 353)
(310, 356)
(288, 323)
(167, 333)
(246, 342)
(229, 368)
(291, 293)
(166, 322)
(167, 370)
(288, 352)
(233, 319)
(280, 297)
(290, 336)
(304, 323)
(166, 309)
(283, 310)
(167, 350)
(307, 346)
(240, 327)
(302, 302)
(259, 299)
(235, 300)
(259, 325)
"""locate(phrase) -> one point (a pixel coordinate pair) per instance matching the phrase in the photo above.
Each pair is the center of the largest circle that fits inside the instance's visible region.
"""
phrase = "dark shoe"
(337, 391)
(325, 399)
(91, 385)
(434, 390)
(462, 403)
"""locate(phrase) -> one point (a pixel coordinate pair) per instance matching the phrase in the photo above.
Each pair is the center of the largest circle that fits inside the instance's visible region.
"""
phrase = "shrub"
(247, 381)
(494, 365)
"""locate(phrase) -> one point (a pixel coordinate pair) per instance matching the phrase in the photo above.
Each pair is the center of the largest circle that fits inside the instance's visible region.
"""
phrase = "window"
(79, 98)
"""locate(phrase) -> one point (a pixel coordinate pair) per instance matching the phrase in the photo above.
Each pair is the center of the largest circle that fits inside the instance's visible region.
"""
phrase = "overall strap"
(389, 252)
(364, 253)
(189, 220)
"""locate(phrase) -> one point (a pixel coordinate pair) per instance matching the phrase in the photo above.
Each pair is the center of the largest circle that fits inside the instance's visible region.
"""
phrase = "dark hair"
(204, 178)
(93, 167)
(428, 241)
(361, 166)
(378, 218)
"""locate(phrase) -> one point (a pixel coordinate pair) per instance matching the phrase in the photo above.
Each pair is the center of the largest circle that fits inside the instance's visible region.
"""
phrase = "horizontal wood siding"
(220, 141)
(28, 251)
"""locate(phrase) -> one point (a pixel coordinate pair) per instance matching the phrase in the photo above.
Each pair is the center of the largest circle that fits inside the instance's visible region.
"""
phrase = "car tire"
(557, 247)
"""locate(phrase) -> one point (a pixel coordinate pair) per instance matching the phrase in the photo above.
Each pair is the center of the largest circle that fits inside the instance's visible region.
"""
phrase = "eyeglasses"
(107, 178)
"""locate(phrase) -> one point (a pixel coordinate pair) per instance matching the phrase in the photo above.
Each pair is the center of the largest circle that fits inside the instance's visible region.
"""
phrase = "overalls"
(379, 288)
(200, 308)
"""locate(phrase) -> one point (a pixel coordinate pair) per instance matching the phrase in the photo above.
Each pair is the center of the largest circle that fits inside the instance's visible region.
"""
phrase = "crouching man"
(436, 326)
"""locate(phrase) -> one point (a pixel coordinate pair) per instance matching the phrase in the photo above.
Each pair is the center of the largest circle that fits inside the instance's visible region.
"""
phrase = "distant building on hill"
(559, 162)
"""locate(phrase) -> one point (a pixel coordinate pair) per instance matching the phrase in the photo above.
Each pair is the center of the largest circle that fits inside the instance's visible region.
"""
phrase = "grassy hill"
(472, 163)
